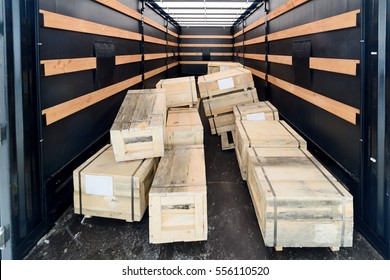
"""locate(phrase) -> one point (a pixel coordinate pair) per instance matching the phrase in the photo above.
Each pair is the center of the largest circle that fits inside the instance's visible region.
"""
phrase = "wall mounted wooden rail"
(58, 21)
(281, 59)
(253, 41)
(254, 56)
(206, 45)
(206, 37)
(198, 62)
(342, 21)
(159, 70)
(152, 56)
(337, 108)
(200, 54)
(63, 110)
(61, 66)
(115, 5)
(290, 5)
(257, 73)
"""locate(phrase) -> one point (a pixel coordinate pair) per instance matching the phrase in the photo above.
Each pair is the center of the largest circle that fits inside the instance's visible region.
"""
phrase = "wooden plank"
(225, 81)
(281, 59)
(334, 107)
(253, 41)
(221, 54)
(113, 190)
(173, 44)
(225, 144)
(213, 67)
(116, 5)
(239, 44)
(63, 110)
(254, 56)
(257, 73)
(298, 203)
(126, 59)
(342, 66)
(138, 129)
(255, 24)
(178, 197)
(184, 127)
(173, 64)
(158, 26)
(190, 54)
(193, 62)
(151, 56)
(62, 66)
(172, 33)
(155, 72)
(154, 40)
(58, 21)
(179, 91)
(342, 21)
(206, 45)
(206, 37)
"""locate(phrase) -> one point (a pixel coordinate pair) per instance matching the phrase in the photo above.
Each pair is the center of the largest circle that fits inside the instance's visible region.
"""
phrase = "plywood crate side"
(264, 134)
(213, 67)
(222, 123)
(225, 81)
(296, 204)
(184, 127)
(106, 188)
(138, 129)
(224, 103)
(179, 91)
(258, 111)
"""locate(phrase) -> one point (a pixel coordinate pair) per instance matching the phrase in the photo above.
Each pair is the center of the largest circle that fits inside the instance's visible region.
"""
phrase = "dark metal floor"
(233, 232)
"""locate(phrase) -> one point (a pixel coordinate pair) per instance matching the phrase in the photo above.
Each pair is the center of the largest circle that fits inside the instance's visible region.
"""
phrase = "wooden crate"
(110, 189)
(225, 103)
(138, 129)
(259, 111)
(177, 199)
(222, 123)
(184, 127)
(298, 203)
(179, 91)
(218, 66)
(272, 134)
(225, 81)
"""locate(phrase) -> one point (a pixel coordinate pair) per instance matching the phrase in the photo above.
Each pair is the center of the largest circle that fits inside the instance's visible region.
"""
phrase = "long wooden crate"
(218, 66)
(225, 103)
(184, 127)
(259, 111)
(272, 134)
(179, 91)
(178, 197)
(298, 203)
(138, 129)
(225, 81)
(222, 123)
(110, 189)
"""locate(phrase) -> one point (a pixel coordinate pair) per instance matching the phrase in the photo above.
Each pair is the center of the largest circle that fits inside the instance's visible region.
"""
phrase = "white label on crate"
(222, 68)
(226, 83)
(99, 185)
(256, 117)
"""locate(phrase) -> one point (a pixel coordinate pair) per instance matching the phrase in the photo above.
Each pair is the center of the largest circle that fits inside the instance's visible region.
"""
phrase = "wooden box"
(222, 123)
(225, 81)
(266, 134)
(138, 129)
(225, 103)
(218, 66)
(259, 111)
(177, 199)
(106, 188)
(184, 127)
(298, 203)
(179, 91)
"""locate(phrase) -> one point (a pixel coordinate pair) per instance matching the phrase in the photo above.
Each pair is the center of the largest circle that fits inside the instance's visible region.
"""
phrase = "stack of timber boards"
(213, 67)
(178, 197)
(298, 203)
(179, 91)
(263, 134)
(138, 129)
(184, 127)
(259, 111)
(110, 189)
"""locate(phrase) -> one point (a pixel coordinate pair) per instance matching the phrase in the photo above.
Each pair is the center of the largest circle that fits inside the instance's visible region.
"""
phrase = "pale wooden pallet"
(178, 197)
(225, 103)
(298, 203)
(263, 134)
(179, 91)
(184, 127)
(257, 111)
(218, 66)
(138, 129)
(110, 189)
(225, 81)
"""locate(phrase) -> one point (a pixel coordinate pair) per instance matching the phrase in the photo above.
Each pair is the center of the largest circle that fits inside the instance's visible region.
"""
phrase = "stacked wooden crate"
(180, 91)
(115, 182)
(220, 92)
(218, 66)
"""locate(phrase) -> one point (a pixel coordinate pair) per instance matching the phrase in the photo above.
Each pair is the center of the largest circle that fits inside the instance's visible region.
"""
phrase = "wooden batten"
(257, 73)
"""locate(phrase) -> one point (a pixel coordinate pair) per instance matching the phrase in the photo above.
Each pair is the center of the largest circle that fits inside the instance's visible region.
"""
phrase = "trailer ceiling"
(205, 13)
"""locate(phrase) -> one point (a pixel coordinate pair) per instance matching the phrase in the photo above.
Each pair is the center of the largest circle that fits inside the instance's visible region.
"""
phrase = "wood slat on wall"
(257, 73)
(206, 45)
(206, 37)
(341, 66)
